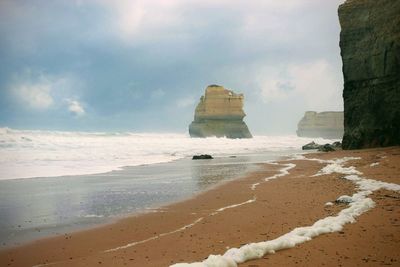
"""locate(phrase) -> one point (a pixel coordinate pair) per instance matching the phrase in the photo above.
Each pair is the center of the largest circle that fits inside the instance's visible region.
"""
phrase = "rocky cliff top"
(220, 103)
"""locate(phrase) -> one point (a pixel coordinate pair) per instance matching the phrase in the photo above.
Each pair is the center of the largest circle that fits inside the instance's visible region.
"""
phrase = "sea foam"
(26, 154)
(358, 203)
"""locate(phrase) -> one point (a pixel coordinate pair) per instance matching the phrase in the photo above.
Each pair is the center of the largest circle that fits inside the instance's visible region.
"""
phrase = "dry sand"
(282, 204)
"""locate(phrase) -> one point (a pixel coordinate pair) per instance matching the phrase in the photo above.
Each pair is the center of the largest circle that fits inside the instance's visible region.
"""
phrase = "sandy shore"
(233, 214)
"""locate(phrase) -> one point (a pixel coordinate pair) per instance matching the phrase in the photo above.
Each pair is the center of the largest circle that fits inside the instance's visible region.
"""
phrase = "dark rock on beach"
(326, 148)
(370, 50)
(337, 145)
(310, 146)
(205, 156)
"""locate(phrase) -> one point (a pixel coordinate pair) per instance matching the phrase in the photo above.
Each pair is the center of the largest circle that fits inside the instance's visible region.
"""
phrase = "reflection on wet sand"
(40, 207)
(211, 172)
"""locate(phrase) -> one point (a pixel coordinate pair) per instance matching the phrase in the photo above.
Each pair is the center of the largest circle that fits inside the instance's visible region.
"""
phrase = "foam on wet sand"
(358, 203)
(329, 195)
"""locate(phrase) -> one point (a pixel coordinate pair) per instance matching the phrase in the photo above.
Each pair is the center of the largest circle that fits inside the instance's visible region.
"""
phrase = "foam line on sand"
(358, 203)
(282, 172)
(182, 228)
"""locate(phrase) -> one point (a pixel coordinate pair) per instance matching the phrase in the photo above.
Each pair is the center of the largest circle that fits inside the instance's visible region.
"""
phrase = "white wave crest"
(26, 154)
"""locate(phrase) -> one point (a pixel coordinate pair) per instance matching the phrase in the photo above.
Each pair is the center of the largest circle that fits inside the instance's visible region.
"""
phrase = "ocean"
(53, 183)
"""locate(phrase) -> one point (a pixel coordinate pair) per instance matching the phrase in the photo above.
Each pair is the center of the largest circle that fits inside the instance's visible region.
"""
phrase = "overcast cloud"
(143, 65)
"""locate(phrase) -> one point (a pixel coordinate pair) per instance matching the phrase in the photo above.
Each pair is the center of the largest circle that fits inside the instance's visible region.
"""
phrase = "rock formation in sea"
(370, 49)
(219, 113)
(327, 124)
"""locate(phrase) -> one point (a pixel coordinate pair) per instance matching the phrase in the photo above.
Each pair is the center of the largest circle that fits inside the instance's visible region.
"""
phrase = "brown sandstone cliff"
(327, 124)
(370, 49)
(219, 113)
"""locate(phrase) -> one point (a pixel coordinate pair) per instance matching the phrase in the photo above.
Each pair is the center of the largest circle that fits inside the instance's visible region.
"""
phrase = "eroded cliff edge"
(328, 124)
(219, 113)
(370, 49)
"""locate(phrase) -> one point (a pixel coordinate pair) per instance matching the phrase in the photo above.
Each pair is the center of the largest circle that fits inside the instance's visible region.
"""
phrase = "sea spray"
(26, 154)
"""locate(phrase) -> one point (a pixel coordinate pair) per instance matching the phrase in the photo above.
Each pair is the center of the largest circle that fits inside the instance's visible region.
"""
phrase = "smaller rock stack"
(327, 124)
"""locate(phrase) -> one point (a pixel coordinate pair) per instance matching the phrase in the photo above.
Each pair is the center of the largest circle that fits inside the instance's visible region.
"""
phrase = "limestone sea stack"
(370, 49)
(219, 113)
(328, 124)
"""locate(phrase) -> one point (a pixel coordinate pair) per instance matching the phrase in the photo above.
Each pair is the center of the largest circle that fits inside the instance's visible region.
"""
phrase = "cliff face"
(219, 113)
(324, 124)
(370, 49)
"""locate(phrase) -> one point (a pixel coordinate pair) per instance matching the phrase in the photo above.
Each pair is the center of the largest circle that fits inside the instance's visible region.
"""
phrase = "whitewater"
(34, 153)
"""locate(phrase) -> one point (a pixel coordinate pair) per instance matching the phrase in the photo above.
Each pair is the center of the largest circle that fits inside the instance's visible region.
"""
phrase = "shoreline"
(228, 219)
(199, 176)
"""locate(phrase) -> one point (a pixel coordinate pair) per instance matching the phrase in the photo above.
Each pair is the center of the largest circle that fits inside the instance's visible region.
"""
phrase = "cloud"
(40, 91)
(317, 83)
(136, 19)
(185, 102)
(156, 94)
(112, 56)
(271, 89)
(35, 94)
(75, 107)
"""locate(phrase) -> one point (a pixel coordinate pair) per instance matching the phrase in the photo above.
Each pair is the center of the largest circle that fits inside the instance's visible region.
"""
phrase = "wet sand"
(227, 216)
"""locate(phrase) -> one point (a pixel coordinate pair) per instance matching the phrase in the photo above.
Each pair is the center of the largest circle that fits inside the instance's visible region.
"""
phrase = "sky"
(142, 65)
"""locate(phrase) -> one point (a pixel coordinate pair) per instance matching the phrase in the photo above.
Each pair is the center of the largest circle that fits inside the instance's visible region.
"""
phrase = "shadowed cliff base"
(219, 113)
(370, 49)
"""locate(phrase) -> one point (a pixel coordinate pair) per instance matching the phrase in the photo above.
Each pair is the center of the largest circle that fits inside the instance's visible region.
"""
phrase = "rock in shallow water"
(205, 156)
(326, 148)
(310, 146)
(337, 145)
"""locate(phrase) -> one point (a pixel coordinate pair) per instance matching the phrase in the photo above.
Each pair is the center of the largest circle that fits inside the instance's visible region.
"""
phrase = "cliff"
(219, 113)
(324, 124)
(370, 49)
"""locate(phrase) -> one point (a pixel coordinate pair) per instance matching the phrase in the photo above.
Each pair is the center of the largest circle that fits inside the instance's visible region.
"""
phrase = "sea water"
(52, 183)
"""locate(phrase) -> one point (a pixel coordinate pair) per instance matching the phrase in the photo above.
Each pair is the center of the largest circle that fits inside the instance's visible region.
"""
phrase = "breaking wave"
(33, 153)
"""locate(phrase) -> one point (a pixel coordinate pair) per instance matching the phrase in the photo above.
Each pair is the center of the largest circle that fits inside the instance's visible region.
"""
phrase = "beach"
(52, 183)
(246, 210)
(200, 133)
